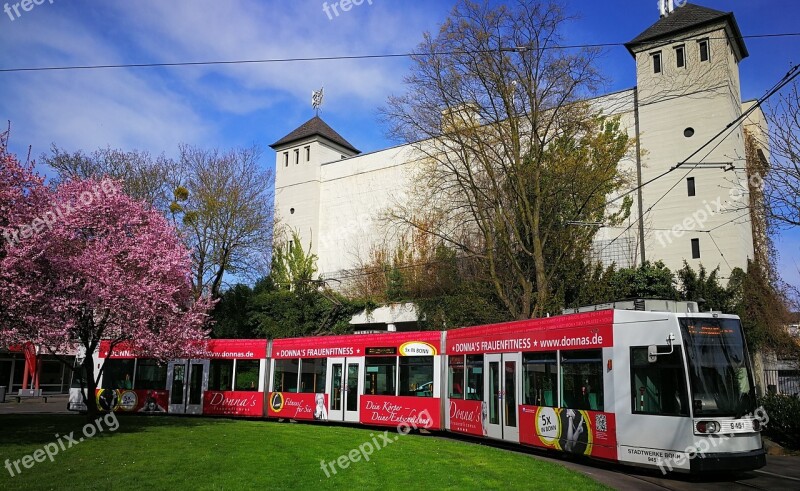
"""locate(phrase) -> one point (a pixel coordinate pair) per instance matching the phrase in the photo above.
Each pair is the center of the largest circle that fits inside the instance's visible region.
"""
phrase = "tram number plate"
(737, 425)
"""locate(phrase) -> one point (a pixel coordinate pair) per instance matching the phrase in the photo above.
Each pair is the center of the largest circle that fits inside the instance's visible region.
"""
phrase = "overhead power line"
(344, 57)
(793, 73)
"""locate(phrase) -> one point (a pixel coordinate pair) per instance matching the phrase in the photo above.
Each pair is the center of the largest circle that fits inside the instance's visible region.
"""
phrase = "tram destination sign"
(380, 351)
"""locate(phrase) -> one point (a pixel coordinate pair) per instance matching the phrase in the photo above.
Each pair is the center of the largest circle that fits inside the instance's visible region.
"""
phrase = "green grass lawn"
(199, 453)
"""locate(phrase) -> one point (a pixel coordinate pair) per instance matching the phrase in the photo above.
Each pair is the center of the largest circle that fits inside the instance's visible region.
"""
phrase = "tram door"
(187, 380)
(344, 386)
(502, 386)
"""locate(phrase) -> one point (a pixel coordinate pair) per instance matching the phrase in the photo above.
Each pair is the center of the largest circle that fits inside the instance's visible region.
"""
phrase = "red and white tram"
(657, 389)
(376, 379)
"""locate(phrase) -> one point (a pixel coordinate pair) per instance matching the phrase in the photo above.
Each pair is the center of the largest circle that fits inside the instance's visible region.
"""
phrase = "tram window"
(456, 377)
(118, 374)
(285, 377)
(312, 375)
(220, 376)
(474, 377)
(150, 375)
(416, 376)
(247, 375)
(582, 379)
(380, 375)
(541, 379)
(658, 387)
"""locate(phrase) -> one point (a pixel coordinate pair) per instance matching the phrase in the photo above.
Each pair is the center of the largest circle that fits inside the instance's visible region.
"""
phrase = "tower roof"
(315, 127)
(684, 19)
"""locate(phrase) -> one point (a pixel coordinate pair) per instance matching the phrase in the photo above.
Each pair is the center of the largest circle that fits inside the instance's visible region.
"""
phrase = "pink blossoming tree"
(87, 264)
(19, 187)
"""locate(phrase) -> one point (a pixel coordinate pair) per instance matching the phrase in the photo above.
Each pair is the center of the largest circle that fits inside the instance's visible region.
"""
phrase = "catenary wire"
(348, 57)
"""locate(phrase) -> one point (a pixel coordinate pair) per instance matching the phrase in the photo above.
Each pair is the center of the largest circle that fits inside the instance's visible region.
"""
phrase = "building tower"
(299, 157)
(687, 71)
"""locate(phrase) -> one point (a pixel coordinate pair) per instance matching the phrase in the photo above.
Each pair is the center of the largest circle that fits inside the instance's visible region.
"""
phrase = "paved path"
(56, 404)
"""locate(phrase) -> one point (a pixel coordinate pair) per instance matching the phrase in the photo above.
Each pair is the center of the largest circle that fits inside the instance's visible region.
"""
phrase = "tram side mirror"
(652, 353)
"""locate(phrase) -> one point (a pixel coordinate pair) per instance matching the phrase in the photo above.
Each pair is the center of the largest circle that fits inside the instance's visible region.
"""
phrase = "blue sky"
(232, 105)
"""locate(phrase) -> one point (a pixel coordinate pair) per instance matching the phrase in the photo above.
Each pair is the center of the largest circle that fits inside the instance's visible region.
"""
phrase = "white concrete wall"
(703, 96)
(339, 202)
(355, 194)
(297, 187)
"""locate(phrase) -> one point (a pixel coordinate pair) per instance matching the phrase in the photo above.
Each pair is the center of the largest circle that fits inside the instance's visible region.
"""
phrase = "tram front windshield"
(719, 372)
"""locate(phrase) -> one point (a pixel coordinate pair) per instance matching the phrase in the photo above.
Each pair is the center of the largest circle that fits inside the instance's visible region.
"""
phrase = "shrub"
(784, 419)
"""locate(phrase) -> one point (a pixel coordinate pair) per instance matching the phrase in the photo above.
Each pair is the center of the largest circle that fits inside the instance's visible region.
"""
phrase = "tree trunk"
(91, 386)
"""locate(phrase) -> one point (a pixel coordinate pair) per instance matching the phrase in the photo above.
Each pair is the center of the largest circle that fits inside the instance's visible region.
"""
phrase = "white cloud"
(157, 108)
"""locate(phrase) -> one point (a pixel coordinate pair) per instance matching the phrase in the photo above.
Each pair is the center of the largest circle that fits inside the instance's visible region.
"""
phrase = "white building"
(687, 67)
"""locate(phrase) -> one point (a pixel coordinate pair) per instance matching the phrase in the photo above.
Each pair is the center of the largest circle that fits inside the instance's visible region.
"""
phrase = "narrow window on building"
(704, 54)
(690, 185)
(296, 156)
(680, 57)
(308, 154)
(286, 159)
(695, 248)
(657, 62)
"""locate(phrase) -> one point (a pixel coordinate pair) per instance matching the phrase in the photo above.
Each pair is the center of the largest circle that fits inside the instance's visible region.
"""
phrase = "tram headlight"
(756, 424)
(707, 427)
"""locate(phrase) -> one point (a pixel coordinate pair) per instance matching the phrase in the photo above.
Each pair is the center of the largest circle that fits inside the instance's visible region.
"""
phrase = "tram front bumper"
(721, 462)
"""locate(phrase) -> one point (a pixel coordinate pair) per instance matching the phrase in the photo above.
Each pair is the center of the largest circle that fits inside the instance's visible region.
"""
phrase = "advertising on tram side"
(233, 403)
(389, 344)
(140, 401)
(247, 349)
(308, 406)
(577, 431)
(118, 392)
(304, 369)
(134, 383)
(468, 417)
(415, 412)
(241, 398)
(577, 331)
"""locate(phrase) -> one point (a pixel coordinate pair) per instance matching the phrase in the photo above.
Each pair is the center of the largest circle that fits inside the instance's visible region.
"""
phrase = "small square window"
(695, 248)
(704, 53)
(680, 58)
(657, 62)
(690, 185)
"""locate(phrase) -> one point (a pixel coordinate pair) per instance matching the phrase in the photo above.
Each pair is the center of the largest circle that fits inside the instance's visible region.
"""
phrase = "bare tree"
(783, 181)
(224, 207)
(511, 153)
(144, 176)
